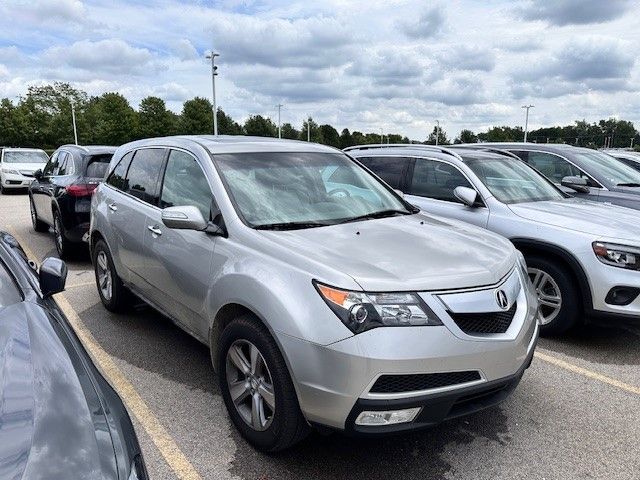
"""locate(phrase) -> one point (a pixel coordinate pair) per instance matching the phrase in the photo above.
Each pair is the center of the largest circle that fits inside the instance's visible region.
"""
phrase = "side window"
(553, 167)
(65, 164)
(436, 180)
(523, 155)
(51, 165)
(144, 174)
(185, 184)
(117, 179)
(389, 169)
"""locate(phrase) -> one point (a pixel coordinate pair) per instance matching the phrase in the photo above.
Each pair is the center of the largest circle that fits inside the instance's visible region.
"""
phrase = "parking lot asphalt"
(575, 415)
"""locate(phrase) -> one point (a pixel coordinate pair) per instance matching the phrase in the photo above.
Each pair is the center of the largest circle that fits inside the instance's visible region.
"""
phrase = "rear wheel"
(113, 294)
(63, 246)
(256, 387)
(558, 296)
(38, 225)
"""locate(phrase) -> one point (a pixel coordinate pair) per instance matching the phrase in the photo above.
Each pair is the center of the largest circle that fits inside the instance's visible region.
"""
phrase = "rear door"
(179, 262)
(134, 197)
(431, 185)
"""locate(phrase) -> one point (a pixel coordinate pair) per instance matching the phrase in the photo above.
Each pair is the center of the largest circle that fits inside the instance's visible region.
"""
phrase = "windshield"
(512, 181)
(611, 169)
(16, 156)
(303, 189)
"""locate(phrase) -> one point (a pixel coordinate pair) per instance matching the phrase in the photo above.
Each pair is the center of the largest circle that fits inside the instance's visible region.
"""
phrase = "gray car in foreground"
(588, 173)
(325, 298)
(583, 257)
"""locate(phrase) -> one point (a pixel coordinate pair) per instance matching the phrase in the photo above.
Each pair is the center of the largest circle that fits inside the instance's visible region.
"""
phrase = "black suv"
(60, 195)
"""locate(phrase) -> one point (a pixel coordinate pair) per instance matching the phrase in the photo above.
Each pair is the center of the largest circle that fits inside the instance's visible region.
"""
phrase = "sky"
(390, 65)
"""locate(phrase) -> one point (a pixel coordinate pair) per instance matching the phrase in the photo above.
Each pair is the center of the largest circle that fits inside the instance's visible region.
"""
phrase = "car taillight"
(81, 190)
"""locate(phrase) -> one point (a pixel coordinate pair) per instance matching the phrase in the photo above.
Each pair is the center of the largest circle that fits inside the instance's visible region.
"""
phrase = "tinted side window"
(144, 173)
(185, 184)
(117, 179)
(436, 180)
(553, 167)
(51, 165)
(390, 169)
(65, 165)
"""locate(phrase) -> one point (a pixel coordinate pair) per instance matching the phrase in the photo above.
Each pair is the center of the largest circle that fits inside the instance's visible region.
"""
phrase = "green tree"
(227, 125)
(466, 136)
(115, 121)
(154, 119)
(346, 139)
(441, 136)
(196, 117)
(316, 134)
(329, 135)
(11, 124)
(502, 134)
(289, 131)
(260, 126)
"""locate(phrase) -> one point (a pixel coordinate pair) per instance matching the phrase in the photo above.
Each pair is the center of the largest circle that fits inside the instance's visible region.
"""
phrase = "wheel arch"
(530, 246)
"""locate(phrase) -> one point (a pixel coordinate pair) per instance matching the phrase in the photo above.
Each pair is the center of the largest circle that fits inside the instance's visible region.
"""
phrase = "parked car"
(60, 419)
(60, 195)
(587, 173)
(320, 307)
(630, 158)
(583, 257)
(17, 166)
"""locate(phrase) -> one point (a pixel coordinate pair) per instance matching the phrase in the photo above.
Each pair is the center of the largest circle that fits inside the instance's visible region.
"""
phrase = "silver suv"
(325, 298)
(583, 256)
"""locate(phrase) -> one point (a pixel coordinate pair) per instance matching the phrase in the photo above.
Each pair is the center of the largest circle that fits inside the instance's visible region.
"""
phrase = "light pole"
(279, 124)
(73, 118)
(526, 121)
(437, 131)
(309, 129)
(381, 135)
(214, 72)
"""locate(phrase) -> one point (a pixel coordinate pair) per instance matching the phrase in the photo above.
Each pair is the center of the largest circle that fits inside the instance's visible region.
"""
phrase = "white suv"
(583, 257)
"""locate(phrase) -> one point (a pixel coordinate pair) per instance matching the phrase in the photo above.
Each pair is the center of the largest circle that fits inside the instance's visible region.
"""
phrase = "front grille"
(488, 322)
(26, 173)
(422, 381)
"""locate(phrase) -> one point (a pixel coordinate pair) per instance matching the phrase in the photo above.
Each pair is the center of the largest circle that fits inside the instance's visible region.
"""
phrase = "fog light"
(387, 417)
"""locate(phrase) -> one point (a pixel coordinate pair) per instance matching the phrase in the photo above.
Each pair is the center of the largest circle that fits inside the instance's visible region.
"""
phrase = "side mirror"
(53, 276)
(578, 184)
(466, 195)
(399, 192)
(184, 218)
(37, 174)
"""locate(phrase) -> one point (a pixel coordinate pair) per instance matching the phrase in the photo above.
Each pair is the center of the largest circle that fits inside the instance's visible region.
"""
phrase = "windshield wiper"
(290, 225)
(373, 215)
(630, 184)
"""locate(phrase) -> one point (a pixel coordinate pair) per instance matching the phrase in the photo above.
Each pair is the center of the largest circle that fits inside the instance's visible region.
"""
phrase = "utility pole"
(73, 118)
(632, 139)
(309, 130)
(437, 132)
(526, 121)
(279, 124)
(214, 72)
(381, 135)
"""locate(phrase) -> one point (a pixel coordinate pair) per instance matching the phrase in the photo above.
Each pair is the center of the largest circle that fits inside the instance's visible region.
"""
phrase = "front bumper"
(12, 180)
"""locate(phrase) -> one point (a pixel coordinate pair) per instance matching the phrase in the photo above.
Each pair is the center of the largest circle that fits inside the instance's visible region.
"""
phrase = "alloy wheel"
(104, 275)
(34, 217)
(549, 295)
(57, 232)
(250, 385)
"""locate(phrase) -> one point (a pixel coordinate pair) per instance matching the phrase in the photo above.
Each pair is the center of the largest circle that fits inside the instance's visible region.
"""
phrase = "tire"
(285, 425)
(551, 275)
(38, 225)
(113, 294)
(63, 245)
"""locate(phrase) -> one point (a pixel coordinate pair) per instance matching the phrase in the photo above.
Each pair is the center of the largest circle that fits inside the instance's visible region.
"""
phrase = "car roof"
(448, 152)
(217, 144)
(22, 149)
(90, 149)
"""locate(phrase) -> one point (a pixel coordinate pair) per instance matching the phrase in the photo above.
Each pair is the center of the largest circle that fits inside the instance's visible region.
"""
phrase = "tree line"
(42, 118)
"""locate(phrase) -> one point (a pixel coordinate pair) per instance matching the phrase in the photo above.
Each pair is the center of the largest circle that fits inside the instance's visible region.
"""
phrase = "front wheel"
(38, 225)
(256, 387)
(557, 295)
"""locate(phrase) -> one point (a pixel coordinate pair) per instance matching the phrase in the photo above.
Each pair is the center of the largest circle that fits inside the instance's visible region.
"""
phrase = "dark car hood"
(51, 424)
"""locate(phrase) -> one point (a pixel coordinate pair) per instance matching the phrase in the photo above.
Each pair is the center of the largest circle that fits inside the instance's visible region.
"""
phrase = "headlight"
(361, 311)
(617, 255)
(8, 170)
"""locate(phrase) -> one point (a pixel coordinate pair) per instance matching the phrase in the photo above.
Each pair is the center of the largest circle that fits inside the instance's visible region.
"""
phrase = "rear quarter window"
(98, 166)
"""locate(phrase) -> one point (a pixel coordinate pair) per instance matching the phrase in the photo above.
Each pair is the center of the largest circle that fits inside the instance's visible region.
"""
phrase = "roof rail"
(74, 145)
(415, 146)
(499, 151)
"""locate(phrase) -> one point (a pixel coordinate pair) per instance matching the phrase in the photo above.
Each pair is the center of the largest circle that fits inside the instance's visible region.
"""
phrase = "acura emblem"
(501, 299)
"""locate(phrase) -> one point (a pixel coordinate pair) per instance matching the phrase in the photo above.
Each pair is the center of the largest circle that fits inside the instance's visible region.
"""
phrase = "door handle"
(154, 230)
(113, 207)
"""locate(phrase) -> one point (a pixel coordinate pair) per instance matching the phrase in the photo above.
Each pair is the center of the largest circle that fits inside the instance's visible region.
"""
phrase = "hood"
(413, 252)
(49, 426)
(597, 219)
(24, 167)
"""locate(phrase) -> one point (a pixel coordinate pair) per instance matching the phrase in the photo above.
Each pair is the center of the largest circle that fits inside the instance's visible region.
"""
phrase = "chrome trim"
(416, 393)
